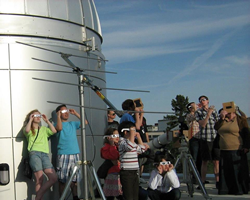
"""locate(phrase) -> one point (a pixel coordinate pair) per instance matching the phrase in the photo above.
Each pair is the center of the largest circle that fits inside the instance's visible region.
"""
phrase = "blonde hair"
(27, 118)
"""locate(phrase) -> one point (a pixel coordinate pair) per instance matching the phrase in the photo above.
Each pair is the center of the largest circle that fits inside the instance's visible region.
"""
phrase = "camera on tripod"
(181, 136)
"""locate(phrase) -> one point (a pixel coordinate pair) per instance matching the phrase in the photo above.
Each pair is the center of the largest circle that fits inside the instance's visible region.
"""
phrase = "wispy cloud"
(124, 55)
(199, 61)
(243, 60)
(161, 32)
(124, 44)
(162, 45)
(202, 59)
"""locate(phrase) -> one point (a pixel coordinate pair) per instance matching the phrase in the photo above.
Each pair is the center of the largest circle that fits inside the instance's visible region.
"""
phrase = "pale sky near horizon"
(177, 47)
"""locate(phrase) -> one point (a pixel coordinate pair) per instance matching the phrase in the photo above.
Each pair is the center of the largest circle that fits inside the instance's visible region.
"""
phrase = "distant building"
(163, 124)
(161, 128)
(152, 128)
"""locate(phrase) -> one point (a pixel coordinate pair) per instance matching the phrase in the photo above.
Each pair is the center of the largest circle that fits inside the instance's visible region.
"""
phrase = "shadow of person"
(53, 150)
(20, 138)
(54, 141)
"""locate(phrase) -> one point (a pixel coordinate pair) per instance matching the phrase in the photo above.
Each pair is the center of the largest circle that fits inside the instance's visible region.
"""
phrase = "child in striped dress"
(112, 184)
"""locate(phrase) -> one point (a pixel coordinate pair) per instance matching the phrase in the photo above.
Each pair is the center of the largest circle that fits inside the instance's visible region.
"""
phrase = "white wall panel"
(6, 153)
(5, 105)
(4, 52)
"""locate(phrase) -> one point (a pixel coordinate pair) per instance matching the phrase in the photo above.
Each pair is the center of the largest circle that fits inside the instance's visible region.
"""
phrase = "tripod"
(92, 171)
(189, 169)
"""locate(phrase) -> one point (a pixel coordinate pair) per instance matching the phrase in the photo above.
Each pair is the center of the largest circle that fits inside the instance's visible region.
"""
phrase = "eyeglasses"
(127, 129)
(64, 111)
(38, 115)
(165, 163)
(203, 99)
(112, 136)
(113, 114)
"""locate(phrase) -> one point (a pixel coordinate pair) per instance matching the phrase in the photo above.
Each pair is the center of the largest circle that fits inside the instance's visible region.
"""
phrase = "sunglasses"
(112, 136)
(203, 100)
(38, 115)
(113, 114)
(64, 111)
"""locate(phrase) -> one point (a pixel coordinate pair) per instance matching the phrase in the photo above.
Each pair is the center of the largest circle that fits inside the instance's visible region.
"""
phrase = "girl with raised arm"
(38, 147)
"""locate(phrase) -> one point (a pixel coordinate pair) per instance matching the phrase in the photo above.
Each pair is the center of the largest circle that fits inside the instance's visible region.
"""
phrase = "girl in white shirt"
(163, 182)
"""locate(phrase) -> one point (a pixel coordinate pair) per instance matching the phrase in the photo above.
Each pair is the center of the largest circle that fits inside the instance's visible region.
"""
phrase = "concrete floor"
(198, 195)
(211, 191)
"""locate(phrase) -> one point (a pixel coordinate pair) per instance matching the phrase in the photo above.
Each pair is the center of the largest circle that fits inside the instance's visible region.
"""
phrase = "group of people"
(67, 149)
(223, 138)
(123, 145)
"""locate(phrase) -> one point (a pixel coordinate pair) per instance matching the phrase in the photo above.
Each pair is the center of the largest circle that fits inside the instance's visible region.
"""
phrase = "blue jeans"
(194, 148)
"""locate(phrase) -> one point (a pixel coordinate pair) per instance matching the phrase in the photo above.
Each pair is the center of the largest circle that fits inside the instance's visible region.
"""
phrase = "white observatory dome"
(42, 18)
(31, 32)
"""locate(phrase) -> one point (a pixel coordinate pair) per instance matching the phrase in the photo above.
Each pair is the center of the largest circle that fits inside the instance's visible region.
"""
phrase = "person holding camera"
(38, 147)
(129, 105)
(163, 182)
(194, 142)
(234, 142)
(143, 131)
(207, 117)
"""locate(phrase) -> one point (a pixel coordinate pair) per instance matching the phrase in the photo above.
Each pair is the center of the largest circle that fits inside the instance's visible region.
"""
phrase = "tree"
(172, 121)
(179, 107)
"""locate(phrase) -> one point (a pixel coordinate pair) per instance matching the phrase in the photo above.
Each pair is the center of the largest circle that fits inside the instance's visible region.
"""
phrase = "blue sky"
(177, 47)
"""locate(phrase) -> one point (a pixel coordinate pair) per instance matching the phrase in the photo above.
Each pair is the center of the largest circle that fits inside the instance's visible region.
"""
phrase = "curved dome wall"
(82, 12)
(67, 26)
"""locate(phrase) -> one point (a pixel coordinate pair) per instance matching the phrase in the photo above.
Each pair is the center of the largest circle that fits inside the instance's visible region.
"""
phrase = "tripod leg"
(187, 175)
(99, 187)
(189, 182)
(76, 168)
(197, 176)
(90, 184)
(177, 160)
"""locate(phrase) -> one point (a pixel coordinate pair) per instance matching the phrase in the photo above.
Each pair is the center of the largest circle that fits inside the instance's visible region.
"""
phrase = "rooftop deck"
(198, 195)
(211, 190)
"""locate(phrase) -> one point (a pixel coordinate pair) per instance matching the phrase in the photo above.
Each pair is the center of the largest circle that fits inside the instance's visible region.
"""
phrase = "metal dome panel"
(82, 12)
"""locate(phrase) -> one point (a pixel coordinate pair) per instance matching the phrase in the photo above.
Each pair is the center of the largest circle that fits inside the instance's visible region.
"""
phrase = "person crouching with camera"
(163, 182)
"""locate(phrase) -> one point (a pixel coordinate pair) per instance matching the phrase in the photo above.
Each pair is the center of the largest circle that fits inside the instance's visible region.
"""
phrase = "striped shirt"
(129, 154)
(208, 133)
